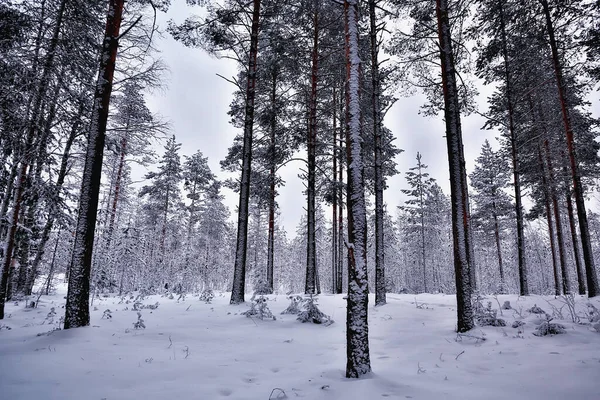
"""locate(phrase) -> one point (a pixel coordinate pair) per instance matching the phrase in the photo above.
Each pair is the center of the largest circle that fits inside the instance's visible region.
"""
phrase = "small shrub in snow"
(259, 309)
(107, 314)
(152, 306)
(295, 304)
(536, 310)
(139, 324)
(518, 324)
(487, 316)
(506, 305)
(6, 327)
(137, 306)
(549, 328)
(207, 296)
(311, 313)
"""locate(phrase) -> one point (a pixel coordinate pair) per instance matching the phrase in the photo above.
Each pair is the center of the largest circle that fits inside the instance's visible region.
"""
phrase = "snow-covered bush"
(486, 316)
(549, 328)
(259, 309)
(518, 324)
(295, 304)
(506, 305)
(207, 296)
(536, 310)
(107, 314)
(311, 313)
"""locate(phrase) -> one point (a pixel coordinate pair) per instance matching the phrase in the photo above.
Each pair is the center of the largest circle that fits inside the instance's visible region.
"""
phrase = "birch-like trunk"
(77, 311)
(357, 327)
(458, 184)
(239, 273)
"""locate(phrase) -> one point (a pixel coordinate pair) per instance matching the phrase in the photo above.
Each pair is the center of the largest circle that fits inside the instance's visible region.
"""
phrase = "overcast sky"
(197, 101)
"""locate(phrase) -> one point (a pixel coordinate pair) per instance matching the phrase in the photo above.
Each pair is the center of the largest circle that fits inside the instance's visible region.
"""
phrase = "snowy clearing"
(193, 350)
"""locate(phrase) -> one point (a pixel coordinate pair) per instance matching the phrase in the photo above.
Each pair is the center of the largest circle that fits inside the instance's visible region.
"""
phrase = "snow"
(193, 350)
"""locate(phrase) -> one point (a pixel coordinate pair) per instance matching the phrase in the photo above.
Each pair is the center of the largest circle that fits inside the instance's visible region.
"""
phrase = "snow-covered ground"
(193, 350)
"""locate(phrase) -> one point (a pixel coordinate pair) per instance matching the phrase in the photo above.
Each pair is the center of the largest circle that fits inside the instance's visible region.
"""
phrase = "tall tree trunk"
(379, 184)
(523, 284)
(588, 257)
(77, 312)
(52, 263)
(340, 194)
(499, 250)
(357, 328)
(118, 179)
(311, 253)
(272, 192)
(574, 240)
(334, 222)
(566, 283)
(38, 97)
(239, 273)
(547, 201)
(460, 211)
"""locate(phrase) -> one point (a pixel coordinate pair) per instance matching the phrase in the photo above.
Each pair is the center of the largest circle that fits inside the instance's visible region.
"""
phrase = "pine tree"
(489, 179)
(415, 208)
(164, 193)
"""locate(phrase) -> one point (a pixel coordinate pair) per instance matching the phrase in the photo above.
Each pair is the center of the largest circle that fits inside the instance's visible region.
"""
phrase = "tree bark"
(588, 257)
(357, 328)
(239, 273)
(460, 211)
(77, 312)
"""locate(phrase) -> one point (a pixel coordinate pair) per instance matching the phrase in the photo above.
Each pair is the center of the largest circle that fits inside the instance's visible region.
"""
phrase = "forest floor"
(193, 350)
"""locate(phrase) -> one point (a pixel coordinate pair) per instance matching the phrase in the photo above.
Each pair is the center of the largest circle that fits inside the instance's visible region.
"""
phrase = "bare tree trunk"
(118, 179)
(588, 257)
(547, 200)
(575, 241)
(77, 312)
(460, 210)
(558, 221)
(311, 259)
(340, 194)
(357, 328)
(334, 222)
(272, 192)
(523, 285)
(499, 251)
(379, 184)
(239, 273)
